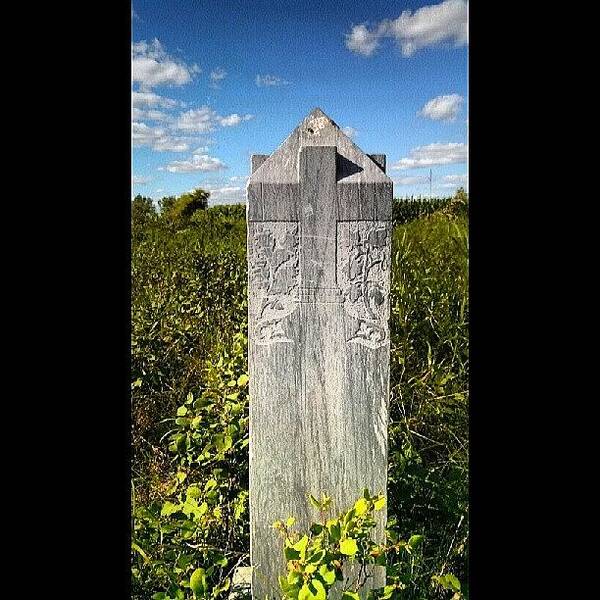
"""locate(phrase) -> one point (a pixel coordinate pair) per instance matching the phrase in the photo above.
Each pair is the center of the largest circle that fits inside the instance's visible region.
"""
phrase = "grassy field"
(190, 403)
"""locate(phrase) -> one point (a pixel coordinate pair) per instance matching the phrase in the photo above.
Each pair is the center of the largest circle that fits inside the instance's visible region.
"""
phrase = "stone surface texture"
(319, 236)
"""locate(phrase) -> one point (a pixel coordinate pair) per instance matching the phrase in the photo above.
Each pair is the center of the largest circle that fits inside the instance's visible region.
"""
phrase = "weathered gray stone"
(319, 235)
(379, 159)
(241, 584)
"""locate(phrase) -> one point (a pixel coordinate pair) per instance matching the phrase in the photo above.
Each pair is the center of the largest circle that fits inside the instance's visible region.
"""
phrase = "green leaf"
(317, 556)
(380, 503)
(327, 574)
(304, 593)
(453, 582)
(182, 411)
(198, 581)
(301, 545)
(194, 491)
(242, 380)
(223, 442)
(335, 530)
(415, 540)
(361, 506)
(291, 554)
(317, 589)
(347, 595)
(139, 550)
(283, 584)
(169, 508)
(448, 581)
(315, 503)
(348, 547)
(211, 484)
(290, 522)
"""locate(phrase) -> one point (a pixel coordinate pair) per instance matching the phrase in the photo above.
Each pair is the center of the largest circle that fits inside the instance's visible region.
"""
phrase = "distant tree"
(166, 204)
(142, 210)
(187, 204)
(461, 195)
(459, 203)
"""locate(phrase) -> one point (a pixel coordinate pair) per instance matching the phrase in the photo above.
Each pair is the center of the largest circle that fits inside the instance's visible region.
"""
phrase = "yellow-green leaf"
(327, 575)
(301, 545)
(198, 581)
(379, 504)
(361, 506)
(348, 547)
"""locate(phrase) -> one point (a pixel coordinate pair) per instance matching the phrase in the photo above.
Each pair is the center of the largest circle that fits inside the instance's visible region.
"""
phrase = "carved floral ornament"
(274, 258)
(362, 271)
(363, 276)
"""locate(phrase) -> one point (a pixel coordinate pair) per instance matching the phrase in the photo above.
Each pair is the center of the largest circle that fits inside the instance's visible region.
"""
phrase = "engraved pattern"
(363, 272)
(273, 262)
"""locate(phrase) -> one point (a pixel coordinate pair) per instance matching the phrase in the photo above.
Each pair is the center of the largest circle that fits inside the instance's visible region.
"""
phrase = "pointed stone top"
(317, 129)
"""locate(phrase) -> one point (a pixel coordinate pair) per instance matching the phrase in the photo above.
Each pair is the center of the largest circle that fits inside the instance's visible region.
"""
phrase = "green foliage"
(187, 542)
(166, 204)
(186, 205)
(143, 211)
(405, 210)
(190, 406)
(429, 381)
(339, 554)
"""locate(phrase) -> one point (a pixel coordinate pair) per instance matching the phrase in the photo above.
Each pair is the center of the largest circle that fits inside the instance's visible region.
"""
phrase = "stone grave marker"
(319, 216)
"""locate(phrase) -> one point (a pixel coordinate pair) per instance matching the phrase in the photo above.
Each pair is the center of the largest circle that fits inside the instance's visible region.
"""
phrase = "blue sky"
(216, 81)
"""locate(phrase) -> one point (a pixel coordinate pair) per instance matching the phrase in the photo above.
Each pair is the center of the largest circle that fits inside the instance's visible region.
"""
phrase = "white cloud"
(152, 66)
(270, 80)
(150, 99)
(349, 131)
(137, 114)
(434, 154)
(225, 194)
(234, 119)
(453, 181)
(139, 180)
(427, 26)
(198, 162)
(217, 75)
(205, 119)
(200, 120)
(363, 41)
(157, 138)
(442, 108)
(411, 180)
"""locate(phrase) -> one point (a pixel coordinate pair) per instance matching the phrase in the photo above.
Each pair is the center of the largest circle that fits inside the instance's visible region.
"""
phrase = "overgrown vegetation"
(340, 554)
(190, 406)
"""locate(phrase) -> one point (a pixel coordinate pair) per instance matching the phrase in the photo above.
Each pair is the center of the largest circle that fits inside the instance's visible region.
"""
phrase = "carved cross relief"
(328, 255)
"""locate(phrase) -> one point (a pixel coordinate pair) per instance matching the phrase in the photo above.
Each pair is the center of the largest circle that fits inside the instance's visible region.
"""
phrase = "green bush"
(190, 405)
